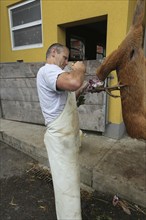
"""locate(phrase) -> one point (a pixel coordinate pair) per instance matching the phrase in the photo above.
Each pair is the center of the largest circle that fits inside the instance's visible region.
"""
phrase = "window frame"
(27, 25)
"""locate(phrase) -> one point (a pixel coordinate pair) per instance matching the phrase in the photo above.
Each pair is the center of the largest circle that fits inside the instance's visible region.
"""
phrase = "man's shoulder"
(52, 67)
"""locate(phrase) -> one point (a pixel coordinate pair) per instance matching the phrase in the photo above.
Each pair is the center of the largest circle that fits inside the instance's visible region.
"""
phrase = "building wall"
(60, 12)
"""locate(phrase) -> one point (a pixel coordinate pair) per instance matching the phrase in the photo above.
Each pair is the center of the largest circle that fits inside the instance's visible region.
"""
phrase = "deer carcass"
(130, 65)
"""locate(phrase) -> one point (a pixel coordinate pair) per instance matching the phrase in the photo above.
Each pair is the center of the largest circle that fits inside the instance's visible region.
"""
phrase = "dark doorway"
(87, 40)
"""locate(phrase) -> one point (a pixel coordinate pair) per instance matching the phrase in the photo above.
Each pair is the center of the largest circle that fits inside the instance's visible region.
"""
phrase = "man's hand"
(79, 65)
(72, 80)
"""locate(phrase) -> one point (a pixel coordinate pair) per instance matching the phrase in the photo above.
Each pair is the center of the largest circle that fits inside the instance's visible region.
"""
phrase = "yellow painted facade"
(58, 12)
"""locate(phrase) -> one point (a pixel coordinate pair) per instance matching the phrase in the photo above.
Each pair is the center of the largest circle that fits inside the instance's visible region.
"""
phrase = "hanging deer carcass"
(130, 65)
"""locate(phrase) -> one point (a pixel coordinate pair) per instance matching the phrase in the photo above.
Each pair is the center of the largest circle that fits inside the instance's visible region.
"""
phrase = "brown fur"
(130, 64)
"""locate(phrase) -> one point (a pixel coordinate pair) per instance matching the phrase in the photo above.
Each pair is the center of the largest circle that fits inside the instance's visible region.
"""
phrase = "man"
(58, 103)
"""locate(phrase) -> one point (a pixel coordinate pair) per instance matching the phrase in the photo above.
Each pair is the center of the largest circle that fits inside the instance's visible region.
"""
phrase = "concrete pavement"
(107, 165)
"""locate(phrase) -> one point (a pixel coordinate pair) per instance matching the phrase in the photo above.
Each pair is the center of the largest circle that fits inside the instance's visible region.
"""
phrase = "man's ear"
(53, 52)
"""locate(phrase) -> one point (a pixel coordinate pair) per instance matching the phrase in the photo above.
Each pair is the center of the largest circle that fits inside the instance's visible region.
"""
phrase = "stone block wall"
(19, 98)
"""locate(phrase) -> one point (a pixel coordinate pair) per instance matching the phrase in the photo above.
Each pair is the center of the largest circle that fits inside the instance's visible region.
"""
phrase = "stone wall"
(19, 98)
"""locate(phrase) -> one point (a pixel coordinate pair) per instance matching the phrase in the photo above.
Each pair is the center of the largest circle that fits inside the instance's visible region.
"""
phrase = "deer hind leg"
(139, 13)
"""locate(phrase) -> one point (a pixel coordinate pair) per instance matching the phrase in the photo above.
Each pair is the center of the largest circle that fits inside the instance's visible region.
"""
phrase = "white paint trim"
(21, 4)
(30, 24)
(31, 46)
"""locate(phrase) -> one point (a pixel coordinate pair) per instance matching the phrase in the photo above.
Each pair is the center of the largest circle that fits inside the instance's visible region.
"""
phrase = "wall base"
(115, 131)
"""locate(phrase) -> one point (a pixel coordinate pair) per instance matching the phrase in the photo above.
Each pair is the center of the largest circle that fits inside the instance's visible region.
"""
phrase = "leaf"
(42, 207)
(124, 207)
(12, 202)
(81, 100)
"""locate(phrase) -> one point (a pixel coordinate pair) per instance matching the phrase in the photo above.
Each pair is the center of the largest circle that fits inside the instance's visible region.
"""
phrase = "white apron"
(62, 141)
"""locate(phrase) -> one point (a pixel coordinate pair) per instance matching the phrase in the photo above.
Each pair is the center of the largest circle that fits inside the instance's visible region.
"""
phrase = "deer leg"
(109, 64)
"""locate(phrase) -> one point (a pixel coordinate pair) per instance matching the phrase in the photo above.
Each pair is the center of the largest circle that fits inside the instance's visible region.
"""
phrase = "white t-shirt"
(52, 101)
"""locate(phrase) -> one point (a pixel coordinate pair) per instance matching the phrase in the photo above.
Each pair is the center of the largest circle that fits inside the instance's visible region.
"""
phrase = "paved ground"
(107, 165)
(27, 193)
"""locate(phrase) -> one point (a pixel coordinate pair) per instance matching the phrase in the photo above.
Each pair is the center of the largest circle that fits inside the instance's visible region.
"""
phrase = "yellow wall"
(56, 12)
(59, 12)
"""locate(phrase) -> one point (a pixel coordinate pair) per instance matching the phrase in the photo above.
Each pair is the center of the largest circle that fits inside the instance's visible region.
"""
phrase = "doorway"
(87, 41)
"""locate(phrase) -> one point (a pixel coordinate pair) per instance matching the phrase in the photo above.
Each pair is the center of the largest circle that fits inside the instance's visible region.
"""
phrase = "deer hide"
(130, 64)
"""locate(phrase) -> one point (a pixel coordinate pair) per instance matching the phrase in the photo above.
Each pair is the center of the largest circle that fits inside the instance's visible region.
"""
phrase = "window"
(77, 49)
(26, 25)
